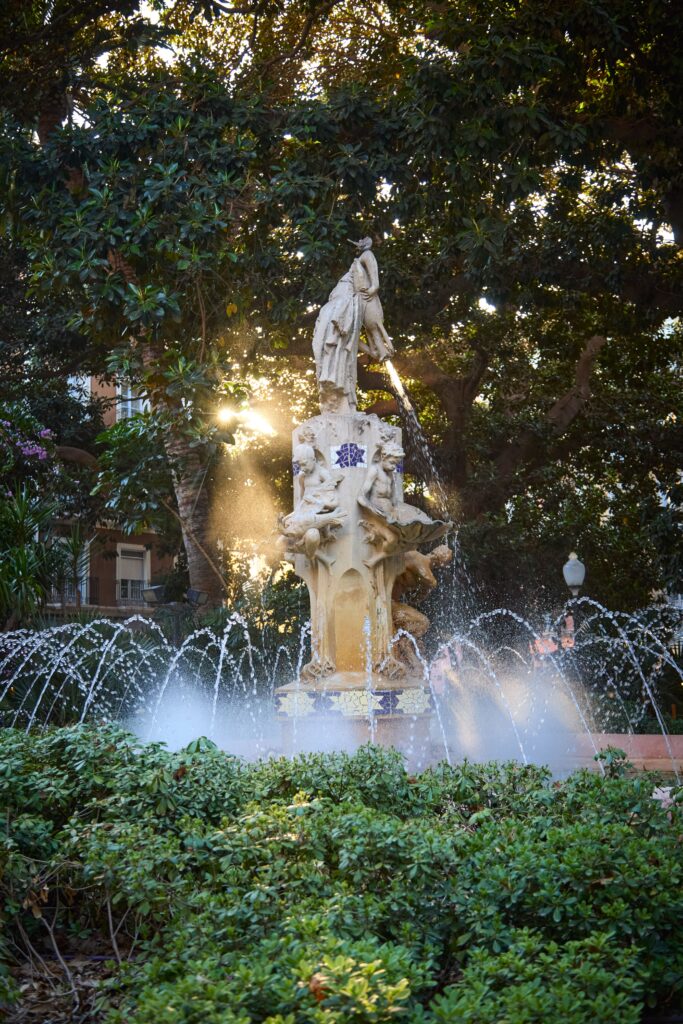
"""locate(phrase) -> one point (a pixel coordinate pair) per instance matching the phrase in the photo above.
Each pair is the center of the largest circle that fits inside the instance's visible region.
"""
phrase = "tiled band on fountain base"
(353, 695)
(354, 703)
(348, 709)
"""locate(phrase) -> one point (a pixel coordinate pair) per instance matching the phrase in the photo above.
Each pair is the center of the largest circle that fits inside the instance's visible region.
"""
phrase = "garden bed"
(331, 888)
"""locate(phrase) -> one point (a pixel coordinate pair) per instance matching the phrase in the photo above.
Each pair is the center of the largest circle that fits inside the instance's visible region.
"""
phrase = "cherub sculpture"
(316, 515)
(418, 580)
(391, 525)
(418, 577)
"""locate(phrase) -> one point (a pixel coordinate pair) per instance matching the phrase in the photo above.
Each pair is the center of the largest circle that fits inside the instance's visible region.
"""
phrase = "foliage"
(134, 477)
(533, 982)
(272, 604)
(41, 362)
(36, 492)
(36, 347)
(337, 888)
(520, 168)
(30, 561)
(26, 448)
(50, 51)
(33, 431)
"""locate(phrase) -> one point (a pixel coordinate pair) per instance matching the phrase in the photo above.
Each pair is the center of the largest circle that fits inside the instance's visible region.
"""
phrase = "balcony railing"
(85, 591)
(130, 591)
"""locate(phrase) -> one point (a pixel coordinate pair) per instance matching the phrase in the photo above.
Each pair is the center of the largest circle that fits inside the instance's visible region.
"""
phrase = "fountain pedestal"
(355, 708)
(350, 601)
(349, 551)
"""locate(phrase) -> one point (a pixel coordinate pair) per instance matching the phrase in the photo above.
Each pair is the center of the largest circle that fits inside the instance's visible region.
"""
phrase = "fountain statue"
(353, 304)
(350, 529)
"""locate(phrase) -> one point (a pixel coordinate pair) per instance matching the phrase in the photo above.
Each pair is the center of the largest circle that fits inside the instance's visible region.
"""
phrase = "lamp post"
(574, 573)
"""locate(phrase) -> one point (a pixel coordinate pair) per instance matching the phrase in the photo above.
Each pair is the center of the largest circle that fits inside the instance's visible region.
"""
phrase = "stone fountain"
(353, 539)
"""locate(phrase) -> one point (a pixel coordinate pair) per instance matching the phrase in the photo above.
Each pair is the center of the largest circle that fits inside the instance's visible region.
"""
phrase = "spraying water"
(500, 700)
(418, 439)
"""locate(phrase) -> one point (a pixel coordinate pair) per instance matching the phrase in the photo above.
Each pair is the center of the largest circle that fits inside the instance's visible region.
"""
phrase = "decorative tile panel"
(349, 455)
(413, 702)
(296, 704)
(355, 703)
(359, 703)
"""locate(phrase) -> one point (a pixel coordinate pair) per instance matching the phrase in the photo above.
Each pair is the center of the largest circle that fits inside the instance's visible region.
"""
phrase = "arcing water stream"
(418, 440)
(501, 689)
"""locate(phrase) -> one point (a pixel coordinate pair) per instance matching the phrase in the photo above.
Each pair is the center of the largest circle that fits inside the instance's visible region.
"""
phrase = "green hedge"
(337, 888)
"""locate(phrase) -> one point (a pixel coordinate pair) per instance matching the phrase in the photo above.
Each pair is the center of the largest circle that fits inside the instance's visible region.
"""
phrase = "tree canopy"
(186, 210)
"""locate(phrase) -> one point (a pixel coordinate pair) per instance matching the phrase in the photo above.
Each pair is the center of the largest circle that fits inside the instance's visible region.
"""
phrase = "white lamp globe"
(574, 572)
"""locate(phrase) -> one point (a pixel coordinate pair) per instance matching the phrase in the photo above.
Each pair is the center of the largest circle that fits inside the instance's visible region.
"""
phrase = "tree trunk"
(189, 477)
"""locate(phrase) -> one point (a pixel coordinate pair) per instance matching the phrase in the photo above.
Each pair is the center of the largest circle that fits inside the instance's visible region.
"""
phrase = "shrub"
(337, 888)
(534, 982)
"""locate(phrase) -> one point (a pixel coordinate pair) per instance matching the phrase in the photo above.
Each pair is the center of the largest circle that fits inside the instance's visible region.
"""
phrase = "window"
(128, 401)
(132, 573)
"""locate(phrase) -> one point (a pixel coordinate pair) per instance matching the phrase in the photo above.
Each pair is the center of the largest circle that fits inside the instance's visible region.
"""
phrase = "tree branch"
(383, 407)
(567, 408)
(529, 448)
(372, 380)
(313, 17)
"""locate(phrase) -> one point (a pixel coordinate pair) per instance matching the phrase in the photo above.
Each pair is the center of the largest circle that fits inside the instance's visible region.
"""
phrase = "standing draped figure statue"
(353, 304)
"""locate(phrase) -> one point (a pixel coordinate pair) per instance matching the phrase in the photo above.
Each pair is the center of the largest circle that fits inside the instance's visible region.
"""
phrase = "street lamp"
(197, 597)
(574, 573)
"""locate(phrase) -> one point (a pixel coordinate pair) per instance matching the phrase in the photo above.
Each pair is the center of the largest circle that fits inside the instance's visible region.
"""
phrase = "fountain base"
(351, 695)
(646, 751)
(359, 708)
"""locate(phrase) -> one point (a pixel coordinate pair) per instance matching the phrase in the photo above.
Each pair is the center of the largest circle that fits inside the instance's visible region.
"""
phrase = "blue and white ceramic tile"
(355, 703)
(349, 455)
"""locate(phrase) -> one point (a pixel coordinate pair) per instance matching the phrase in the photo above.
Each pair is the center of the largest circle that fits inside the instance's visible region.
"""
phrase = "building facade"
(113, 568)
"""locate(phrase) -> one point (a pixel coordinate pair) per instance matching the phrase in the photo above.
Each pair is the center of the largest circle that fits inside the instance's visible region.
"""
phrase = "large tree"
(519, 165)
